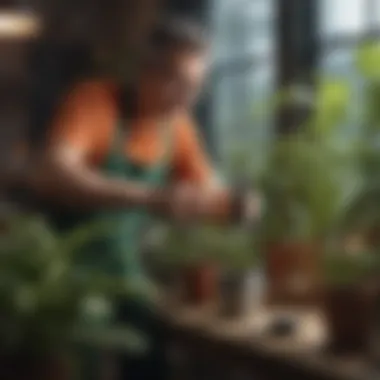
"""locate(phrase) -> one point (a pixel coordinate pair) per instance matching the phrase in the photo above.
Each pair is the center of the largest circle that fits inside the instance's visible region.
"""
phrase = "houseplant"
(189, 253)
(362, 215)
(46, 307)
(305, 192)
(350, 298)
(351, 275)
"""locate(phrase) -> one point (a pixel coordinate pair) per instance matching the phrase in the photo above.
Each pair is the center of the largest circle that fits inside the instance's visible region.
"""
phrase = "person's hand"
(188, 203)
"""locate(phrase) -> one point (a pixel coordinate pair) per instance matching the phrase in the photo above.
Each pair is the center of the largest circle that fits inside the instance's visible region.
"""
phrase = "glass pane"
(340, 64)
(243, 26)
(376, 13)
(342, 17)
(243, 30)
(239, 102)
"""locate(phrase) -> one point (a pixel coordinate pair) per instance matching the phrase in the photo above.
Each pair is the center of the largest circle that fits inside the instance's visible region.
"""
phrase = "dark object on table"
(349, 315)
(199, 284)
(283, 326)
(241, 293)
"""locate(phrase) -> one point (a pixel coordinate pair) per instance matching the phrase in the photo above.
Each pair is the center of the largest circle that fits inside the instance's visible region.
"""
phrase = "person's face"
(175, 81)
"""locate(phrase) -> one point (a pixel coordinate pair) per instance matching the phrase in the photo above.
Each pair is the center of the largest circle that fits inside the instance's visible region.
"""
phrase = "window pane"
(340, 64)
(342, 16)
(239, 104)
(243, 26)
(376, 13)
(243, 37)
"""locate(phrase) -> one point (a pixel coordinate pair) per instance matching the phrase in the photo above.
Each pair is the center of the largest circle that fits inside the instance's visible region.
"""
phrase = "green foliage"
(313, 177)
(331, 103)
(344, 269)
(43, 297)
(367, 60)
(303, 189)
(362, 213)
(232, 247)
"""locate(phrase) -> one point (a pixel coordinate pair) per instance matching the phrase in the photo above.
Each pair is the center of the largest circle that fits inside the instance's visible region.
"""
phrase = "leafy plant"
(232, 247)
(238, 249)
(305, 178)
(45, 303)
(363, 213)
(347, 269)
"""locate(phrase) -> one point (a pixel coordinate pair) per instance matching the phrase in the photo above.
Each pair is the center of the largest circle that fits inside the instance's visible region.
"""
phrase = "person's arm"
(62, 173)
(61, 177)
(191, 163)
(192, 166)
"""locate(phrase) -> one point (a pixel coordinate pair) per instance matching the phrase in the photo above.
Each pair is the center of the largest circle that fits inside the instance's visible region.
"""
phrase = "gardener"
(123, 150)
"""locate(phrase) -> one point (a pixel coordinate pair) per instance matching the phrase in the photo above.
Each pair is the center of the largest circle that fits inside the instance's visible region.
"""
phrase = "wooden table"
(243, 349)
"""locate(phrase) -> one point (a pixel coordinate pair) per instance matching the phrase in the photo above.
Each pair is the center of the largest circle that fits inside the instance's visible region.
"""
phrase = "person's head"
(173, 65)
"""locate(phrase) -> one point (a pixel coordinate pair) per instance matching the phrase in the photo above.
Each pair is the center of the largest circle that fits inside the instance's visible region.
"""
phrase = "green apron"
(117, 254)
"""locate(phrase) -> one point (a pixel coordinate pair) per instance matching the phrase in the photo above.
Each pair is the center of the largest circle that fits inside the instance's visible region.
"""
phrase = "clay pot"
(293, 273)
(200, 284)
(241, 293)
(350, 314)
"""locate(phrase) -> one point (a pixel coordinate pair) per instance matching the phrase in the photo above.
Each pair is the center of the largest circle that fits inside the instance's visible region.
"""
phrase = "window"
(243, 71)
(342, 17)
(342, 26)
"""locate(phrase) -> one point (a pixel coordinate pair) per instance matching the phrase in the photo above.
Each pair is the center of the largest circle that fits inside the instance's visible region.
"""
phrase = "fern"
(42, 296)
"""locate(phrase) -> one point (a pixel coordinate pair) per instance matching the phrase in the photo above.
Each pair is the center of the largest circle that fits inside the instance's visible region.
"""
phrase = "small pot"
(293, 272)
(241, 293)
(200, 284)
(350, 312)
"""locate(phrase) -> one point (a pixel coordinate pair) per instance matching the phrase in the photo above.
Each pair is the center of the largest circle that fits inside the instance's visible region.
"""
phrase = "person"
(124, 152)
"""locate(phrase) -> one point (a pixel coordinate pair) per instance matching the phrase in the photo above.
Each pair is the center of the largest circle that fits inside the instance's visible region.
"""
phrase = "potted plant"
(304, 192)
(241, 282)
(46, 308)
(362, 216)
(350, 297)
(189, 254)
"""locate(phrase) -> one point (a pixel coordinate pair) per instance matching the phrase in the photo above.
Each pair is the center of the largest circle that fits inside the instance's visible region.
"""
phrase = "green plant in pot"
(190, 253)
(47, 309)
(350, 298)
(362, 216)
(305, 190)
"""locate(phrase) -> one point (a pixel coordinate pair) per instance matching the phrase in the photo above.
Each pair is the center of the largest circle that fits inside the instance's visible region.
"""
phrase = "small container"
(241, 293)
(293, 272)
(199, 284)
(349, 312)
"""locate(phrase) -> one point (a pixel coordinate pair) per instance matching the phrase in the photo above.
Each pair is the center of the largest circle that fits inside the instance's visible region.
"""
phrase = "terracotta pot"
(241, 293)
(293, 273)
(350, 312)
(200, 284)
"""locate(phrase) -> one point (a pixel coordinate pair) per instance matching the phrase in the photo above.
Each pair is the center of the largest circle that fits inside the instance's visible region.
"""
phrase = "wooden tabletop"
(306, 349)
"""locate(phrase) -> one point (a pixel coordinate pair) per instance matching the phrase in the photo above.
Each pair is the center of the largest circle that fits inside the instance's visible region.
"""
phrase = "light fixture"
(18, 25)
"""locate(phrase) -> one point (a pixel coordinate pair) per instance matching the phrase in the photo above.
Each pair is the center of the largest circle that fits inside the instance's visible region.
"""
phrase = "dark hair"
(168, 34)
(176, 33)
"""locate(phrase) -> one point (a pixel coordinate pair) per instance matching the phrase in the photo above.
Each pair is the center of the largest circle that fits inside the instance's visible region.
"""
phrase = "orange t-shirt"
(87, 120)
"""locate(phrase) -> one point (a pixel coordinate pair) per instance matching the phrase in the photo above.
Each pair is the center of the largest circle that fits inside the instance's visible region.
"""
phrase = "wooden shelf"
(303, 355)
